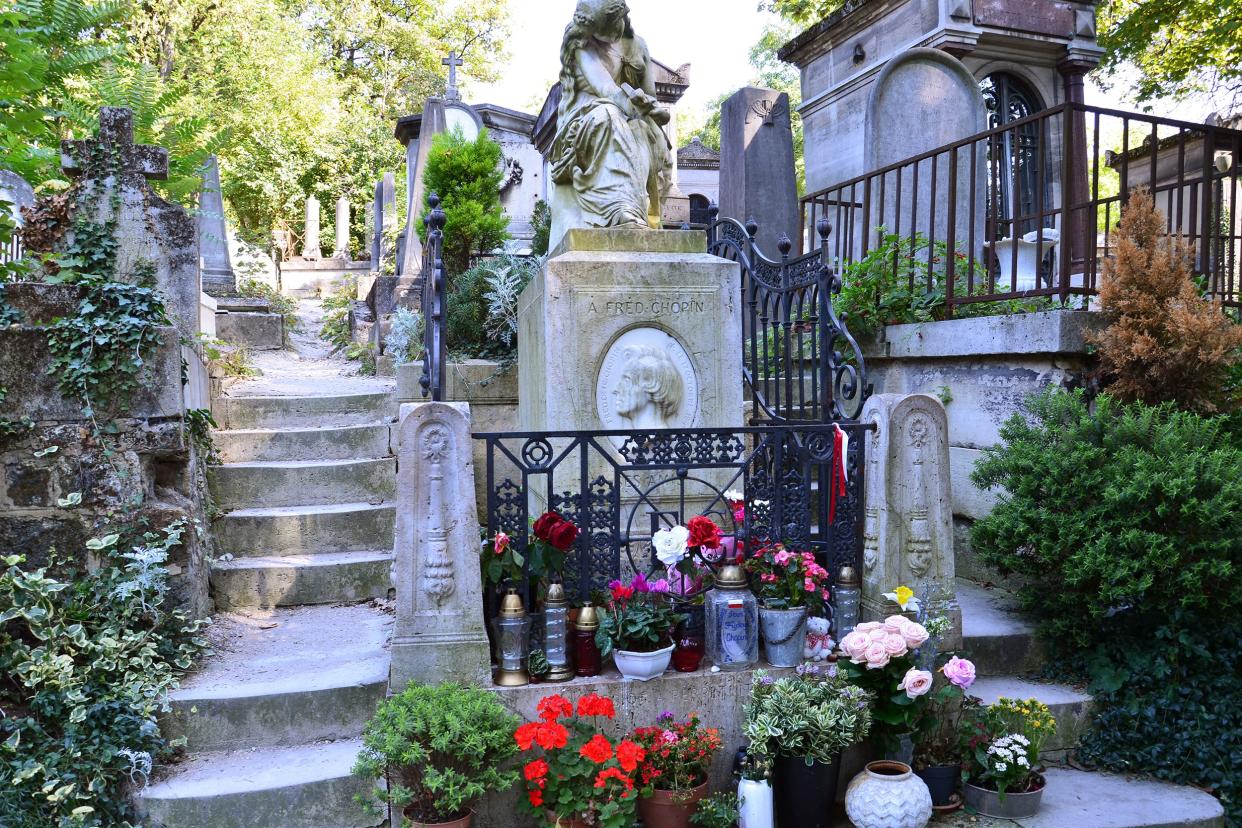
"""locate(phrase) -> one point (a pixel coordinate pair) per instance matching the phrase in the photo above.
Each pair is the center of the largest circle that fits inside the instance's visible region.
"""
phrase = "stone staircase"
(273, 719)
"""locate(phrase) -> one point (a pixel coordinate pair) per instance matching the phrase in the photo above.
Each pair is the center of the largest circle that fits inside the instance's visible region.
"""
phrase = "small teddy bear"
(819, 643)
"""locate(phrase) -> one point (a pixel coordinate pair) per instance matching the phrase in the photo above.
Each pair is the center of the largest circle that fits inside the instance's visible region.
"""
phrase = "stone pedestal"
(341, 227)
(439, 633)
(908, 522)
(630, 329)
(310, 241)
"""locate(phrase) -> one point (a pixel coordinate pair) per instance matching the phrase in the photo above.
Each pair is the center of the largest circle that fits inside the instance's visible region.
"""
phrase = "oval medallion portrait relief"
(646, 380)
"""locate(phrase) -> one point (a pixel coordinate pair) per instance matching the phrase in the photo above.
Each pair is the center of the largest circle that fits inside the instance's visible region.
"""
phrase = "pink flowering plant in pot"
(784, 579)
(639, 617)
(881, 660)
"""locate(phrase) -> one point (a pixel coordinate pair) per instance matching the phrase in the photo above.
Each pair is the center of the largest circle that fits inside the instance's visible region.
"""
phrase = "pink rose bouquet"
(881, 660)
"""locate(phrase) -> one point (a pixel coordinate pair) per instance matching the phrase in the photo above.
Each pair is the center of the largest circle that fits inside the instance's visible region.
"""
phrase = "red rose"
(544, 525)
(563, 535)
(703, 532)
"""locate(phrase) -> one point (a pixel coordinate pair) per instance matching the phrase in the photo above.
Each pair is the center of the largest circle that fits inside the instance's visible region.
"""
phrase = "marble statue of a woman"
(610, 157)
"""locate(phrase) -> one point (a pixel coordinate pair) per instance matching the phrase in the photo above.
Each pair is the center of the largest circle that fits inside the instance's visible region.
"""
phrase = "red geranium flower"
(596, 705)
(535, 770)
(601, 779)
(551, 735)
(629, 754)
(553, 707)
(525, 735)
(536, 797)
(703, 532)
(598, 750)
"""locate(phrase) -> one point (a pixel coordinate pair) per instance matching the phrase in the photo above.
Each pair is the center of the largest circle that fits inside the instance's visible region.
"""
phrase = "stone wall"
(982, 370)
(143, 467)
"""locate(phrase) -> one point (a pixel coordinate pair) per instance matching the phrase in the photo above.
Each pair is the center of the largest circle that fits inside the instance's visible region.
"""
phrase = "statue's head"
(649, 377)
(605, 19)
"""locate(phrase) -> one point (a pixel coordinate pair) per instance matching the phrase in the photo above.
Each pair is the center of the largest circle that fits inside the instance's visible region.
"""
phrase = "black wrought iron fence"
(799, 361)
(435, 350)
(1028, 209)
(620, 487)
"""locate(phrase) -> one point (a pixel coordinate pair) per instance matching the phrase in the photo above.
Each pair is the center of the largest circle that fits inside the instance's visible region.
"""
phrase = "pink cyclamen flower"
(916, 683)
(960, 672)
(660, 586)
(783, 557)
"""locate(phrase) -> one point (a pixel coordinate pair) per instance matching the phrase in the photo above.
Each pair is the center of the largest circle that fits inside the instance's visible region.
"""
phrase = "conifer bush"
(1164, 341)
(466, 176)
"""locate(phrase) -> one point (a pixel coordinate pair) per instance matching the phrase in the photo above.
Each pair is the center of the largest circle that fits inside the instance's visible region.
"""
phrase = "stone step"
(301, 530)
(287, 580)
(1070, 707)
(257, 331)
(302, 482)
(284, 677)
(303, 412)
(997, 639)
(331, 443)
(1083, 799)
(307, 786)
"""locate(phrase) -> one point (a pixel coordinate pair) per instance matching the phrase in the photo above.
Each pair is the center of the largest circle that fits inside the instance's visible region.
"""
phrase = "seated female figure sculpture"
(610, 156)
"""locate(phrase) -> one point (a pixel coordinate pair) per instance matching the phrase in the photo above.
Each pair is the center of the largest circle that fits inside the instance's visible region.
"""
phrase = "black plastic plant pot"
(804, 794)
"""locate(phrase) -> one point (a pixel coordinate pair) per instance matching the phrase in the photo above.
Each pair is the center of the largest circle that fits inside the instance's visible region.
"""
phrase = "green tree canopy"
(466, 176)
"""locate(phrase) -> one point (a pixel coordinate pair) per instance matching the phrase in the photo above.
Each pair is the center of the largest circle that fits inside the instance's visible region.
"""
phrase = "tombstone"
(341, 251)
(924, 99)
(439, 633)
(385, 217)
(17, 192)
(310, 241)
(757, 178)
(368, 227)
(416, 151)
(908, 517)
(149, 230)
(213, 235)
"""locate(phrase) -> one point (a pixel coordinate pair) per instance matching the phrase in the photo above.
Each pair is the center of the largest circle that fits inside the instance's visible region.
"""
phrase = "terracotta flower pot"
(464, 822)
(670, 809)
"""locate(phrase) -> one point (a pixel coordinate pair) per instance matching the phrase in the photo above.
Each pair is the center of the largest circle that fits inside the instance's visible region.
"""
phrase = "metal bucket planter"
(1013, 806)
(784, 635)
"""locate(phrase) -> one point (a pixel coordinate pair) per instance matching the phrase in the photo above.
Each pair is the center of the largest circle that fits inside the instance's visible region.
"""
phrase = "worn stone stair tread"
(303, 411)
(307, 560)
(303, 464)
(310, 509)
(302, 482)
(1000, 641)
(326, 442)
(304, 786)
(1070, 706)
(286, 580)
(265, 531)
(309, 648)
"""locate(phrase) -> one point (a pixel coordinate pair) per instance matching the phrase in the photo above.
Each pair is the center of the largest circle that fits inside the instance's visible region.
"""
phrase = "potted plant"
(937, 745)
(440, 750)
(754, 791)
(673, 774)
(789, 585)
(574, 775)
(882, 661)
(1003, 742)
(720, 810)
(803, 722)
(636, 627)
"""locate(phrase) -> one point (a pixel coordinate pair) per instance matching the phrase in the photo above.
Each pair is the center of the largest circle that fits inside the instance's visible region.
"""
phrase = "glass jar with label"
(732, 621)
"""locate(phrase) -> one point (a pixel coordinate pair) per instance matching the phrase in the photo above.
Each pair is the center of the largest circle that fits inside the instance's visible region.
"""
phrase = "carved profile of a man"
(609, 147)
(650, 390)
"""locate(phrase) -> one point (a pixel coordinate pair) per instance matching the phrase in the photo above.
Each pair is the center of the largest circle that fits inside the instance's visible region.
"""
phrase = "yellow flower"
(903, 597)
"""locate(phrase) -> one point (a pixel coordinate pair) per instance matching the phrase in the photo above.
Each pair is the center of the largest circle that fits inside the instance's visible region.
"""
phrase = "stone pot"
(756, 808)
(941, 781)
(804, 794)
(784, 635)
(670, 809)
(464, 822)
(1011, 806)
(642, 666)
(887, 794)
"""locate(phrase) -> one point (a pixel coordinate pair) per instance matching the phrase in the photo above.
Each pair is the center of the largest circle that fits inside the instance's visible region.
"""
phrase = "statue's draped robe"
(618, 166)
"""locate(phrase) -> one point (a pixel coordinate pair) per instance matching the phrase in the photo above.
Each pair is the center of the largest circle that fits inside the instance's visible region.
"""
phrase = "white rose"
(733, 496)
(670, 544)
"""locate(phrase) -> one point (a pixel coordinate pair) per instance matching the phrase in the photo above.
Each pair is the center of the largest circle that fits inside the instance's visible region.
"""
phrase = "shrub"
(466, 175)
(440, 748)
(336, 306)
(541, 221)
(481, 313)
(1116, 518)
(86, 663)
(405, 336)
(809, 716)
(1164, 341)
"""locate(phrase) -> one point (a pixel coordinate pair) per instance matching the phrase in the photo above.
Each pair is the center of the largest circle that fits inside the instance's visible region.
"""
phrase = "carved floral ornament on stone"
(437, 574)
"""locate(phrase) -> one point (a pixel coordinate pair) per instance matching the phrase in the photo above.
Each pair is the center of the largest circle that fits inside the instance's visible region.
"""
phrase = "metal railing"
(619, 487)
(799, 361)
(435, 352)
(1028, 209)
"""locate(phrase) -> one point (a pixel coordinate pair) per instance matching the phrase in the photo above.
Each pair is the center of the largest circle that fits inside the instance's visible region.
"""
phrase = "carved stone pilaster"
(439, 633)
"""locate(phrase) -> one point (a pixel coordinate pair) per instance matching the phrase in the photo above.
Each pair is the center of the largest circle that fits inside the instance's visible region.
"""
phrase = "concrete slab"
(257, 331)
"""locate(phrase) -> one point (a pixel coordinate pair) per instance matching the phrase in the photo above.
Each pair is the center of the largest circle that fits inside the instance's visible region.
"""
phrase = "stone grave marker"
(341, 250)
(757, 178)
(213, 235)
(310, 240)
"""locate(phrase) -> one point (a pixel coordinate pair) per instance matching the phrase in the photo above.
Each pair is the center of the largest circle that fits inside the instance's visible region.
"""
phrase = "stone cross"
(310, 243)
(116, 133)
(452, 62)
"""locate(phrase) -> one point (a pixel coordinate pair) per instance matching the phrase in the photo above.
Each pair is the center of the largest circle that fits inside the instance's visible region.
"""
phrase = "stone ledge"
(626, 240)
(1047, 332)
